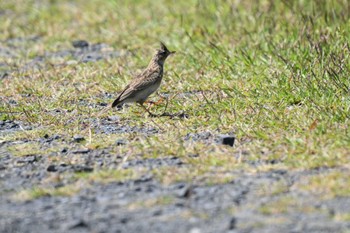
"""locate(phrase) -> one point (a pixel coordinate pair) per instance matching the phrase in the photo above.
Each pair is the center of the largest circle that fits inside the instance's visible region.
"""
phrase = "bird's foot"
(161, 100)
(149, 102)
(155, 103)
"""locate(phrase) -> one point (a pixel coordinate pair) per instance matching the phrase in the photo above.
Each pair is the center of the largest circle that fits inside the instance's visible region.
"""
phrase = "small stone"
(185, 192)
(27, 127)
(3, 75)
(273, 161)
(12, 102)
(2, 122)
(120, 142)
(113, 118)
(195, 230)
(78, 138)
(46, 136)
(64, 150)
(13, 125)
(280, 171)
(79, 224)
(232, 224)
(144, 178)
(227, 140)
(55, 137)
(80, 44)
(91, 58)
(157, 213)
(124, 220)
(184, 116)
(103, 104)
(79, 168)
(28, 159)
(81, 151)
(71, 62)
(51, 168)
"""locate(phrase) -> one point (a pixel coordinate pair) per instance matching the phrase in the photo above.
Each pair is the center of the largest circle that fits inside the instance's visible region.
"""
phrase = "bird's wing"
(141, 82)
(144, 73)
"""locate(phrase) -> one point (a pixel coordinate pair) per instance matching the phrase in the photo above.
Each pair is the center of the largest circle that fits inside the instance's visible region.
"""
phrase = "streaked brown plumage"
(144, 84)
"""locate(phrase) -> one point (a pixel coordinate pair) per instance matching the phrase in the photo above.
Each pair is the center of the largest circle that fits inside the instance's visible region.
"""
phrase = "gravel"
(132, 206)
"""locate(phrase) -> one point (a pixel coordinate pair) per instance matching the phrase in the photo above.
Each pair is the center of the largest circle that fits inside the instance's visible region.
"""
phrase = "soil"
(125, 206)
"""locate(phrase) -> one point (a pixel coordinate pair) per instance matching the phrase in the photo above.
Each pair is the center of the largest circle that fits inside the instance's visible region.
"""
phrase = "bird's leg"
(161, 99)
(149, 102)
(151, 114)
(166, 106)
(155, 103)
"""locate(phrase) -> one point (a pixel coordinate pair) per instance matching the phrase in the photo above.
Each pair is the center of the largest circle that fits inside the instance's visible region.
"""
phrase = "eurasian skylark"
(147, 82)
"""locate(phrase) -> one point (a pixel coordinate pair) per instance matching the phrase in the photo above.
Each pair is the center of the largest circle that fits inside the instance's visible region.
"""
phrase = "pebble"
(27, 127)
(28, 159)
(120, 142)
(78, 138)
(78, 224)
(113, 118)
(81, 151)
(80, 168)
(232, 224)
(51, 168)
(80, 44)
(185, 192)
(227, 140)
(195, 230)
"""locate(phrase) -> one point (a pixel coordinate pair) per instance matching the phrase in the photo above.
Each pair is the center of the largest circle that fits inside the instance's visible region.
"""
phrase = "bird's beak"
(172, 52)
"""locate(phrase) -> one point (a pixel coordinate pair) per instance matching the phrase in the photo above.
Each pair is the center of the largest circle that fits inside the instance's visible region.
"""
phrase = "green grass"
(285, 204)
(327, 186)
(37, 192)
(276, 73)
(77, 181)
(105, 176)
(25, 149)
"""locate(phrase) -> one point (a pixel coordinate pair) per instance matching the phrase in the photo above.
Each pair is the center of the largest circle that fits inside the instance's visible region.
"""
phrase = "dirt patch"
(12, 50)
(250, 201)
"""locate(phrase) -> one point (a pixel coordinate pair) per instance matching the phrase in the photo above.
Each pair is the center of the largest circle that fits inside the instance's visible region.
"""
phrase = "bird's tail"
(116, 102)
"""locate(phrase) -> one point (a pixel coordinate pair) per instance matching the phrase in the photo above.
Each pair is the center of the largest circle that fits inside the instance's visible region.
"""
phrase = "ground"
(256, 136)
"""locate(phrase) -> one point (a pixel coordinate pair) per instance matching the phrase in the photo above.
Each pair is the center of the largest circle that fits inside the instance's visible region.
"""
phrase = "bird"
(145, 83)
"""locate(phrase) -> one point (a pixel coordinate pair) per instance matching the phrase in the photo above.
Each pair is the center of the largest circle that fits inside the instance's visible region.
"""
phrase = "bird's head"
(162, 54)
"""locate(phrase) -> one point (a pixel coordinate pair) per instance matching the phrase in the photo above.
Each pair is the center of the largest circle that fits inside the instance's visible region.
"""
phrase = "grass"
(53, 186)
(162, 200)
(285, 204)
(277, 188)
(329, 185)
(25, 149)
(105, 176)
(274, 73)
(37, 192)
